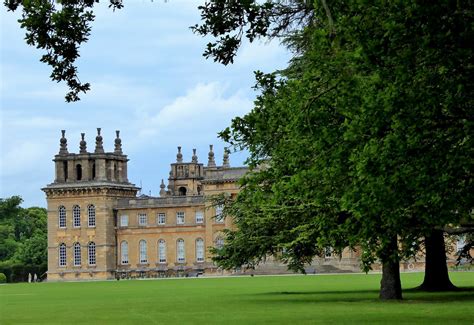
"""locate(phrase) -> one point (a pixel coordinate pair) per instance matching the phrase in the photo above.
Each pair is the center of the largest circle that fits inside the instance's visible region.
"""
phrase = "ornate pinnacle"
(63, 143)
(99, 148)
(226, 158)
(195, 157)
(179, 155)
(211, 162)
(162, 188)
(82, 144)
(118, 143)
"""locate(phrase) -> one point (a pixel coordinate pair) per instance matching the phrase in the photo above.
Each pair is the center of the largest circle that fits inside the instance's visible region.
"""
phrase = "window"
(199, 250)
(180, 251)
(161, 218)
(78, 172)
(123, 220)
(199, 217)
(143, 254)
(460, 243)
(77, 254)
(161, 251)
(124, 252)
(76, 216)
(180, 218)
(91, 253)
(219, 242)
(91, 216)
(142, 220)
(62, 254)
(219, 215)
(62, 217)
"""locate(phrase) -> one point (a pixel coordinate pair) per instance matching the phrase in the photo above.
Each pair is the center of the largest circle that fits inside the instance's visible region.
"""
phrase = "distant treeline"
(23, 240)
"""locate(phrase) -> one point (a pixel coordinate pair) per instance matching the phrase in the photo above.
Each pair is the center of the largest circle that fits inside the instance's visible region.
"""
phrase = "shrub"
(3, 278)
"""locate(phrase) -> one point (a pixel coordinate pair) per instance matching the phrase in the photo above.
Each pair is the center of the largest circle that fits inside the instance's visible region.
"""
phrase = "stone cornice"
(90, 188)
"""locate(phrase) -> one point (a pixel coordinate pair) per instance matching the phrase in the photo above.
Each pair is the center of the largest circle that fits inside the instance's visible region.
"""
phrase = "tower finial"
(99, 148)
(83, 144)
(226, 158)
(211, 162)
(118, 143)
(162, 188)
(195, 157)
(179, 155)
(63, 143)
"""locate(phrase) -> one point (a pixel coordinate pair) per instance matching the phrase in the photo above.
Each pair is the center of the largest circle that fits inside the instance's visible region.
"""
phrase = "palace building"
(98, 228)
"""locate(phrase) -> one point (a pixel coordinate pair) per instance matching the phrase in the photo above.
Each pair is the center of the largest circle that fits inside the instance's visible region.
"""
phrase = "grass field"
(272, 299)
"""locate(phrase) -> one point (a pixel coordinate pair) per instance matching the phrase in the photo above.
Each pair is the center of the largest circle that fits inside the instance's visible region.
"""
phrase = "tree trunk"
(390, 285)
(436, 270)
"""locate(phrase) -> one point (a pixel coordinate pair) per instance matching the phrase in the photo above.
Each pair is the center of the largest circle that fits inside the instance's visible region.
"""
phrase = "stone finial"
(179, 155)
(225, 162)
(83, 144)
(195, 157)
(211, 162)
(63, 143)
(162, 188)
(99, 148)
(118, 143)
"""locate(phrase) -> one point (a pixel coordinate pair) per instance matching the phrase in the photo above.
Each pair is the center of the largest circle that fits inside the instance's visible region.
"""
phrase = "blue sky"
(149, 80)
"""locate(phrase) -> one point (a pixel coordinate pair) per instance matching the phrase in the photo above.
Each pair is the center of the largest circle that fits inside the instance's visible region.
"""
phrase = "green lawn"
(272, 299)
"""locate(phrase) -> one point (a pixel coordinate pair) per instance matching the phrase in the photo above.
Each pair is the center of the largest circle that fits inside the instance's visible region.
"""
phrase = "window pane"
(161, 219)
(124, 250)
(180, 218)
(76, 216)
(62, 217)
(91, 216)
(124, 221)
(142, 219)
(200, 250)
(219, 216)
(77, 254)
(91, 250)
(199, 217)
(143, 252)
(62, 255)
(162, 251)
(180, 251)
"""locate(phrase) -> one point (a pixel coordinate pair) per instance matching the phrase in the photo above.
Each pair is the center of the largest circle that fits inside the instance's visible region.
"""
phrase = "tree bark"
(436, 270)
(390, 285)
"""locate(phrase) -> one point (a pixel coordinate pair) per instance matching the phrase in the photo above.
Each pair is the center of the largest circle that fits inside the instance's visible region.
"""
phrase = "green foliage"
(59, 28)
(3, 278)
(23, 239)
(367, 136)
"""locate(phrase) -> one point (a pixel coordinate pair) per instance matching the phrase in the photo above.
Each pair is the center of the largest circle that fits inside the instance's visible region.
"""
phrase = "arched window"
(76, 216)
(180, 253)
(78, 172)
(219, 242)
(219, 215)
(161, 251)
(199, 250)
(91, 253)
(62, 217)
(91, 215)
(124, 252)
(62, 254)
(77, 254)
(143, 253)
(182, 191)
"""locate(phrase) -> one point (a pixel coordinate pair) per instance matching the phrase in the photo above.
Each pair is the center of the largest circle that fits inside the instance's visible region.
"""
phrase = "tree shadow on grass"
(410, 296)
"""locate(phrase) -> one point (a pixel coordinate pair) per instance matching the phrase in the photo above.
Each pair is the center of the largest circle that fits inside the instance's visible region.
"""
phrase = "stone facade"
(98, 228)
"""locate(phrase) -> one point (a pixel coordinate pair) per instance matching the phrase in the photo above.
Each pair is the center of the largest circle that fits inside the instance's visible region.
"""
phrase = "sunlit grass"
(347, 298)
